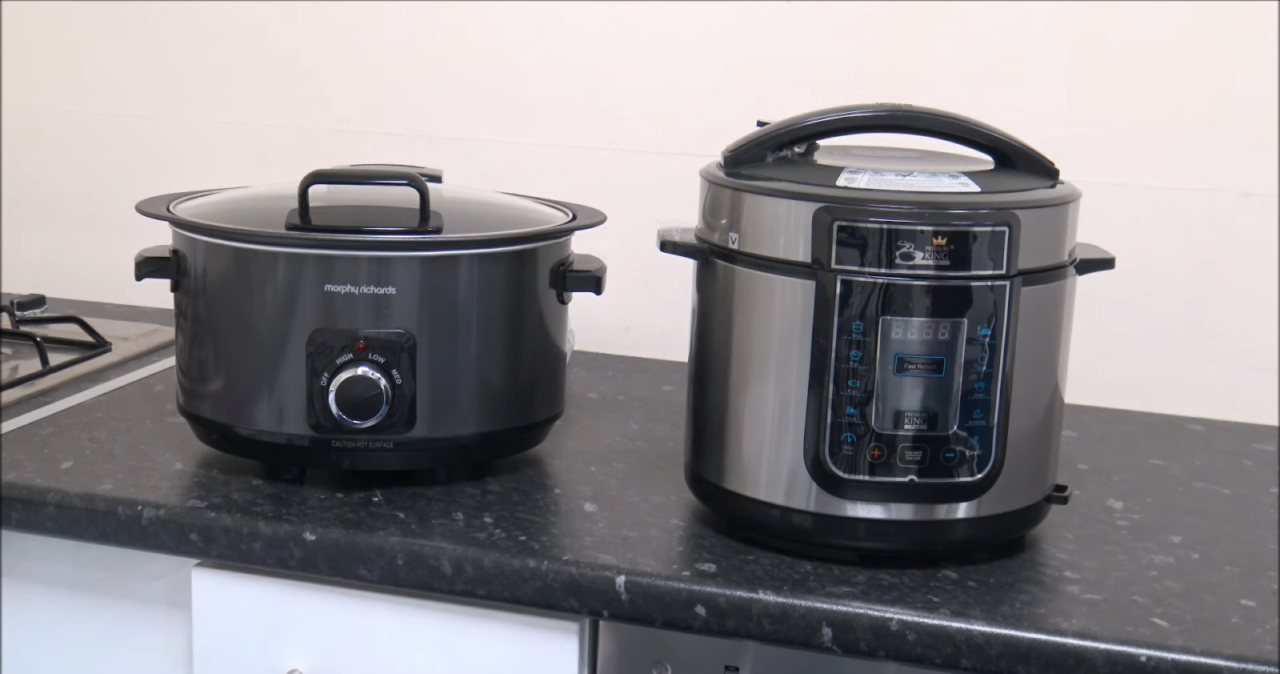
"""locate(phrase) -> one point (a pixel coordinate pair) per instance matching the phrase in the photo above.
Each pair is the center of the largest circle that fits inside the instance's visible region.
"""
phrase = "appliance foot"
(281, 472)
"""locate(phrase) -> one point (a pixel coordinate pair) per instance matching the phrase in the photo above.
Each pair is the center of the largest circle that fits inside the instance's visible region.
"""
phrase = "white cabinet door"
(77, 607)
(244, 623)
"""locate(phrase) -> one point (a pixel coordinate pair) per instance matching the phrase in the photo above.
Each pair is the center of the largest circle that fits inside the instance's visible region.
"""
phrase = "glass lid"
(370, 205)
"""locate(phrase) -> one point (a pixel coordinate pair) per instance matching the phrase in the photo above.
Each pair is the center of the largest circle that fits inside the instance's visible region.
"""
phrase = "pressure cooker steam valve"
(360, 395)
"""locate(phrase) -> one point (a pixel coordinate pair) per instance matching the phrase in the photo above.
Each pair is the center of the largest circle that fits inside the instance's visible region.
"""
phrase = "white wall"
(1164, 113)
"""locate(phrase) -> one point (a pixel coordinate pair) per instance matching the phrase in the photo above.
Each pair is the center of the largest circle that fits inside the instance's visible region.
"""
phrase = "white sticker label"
(906, 181)
(733, 240)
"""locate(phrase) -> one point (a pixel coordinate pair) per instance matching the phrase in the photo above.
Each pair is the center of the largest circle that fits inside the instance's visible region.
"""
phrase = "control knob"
(359, 395)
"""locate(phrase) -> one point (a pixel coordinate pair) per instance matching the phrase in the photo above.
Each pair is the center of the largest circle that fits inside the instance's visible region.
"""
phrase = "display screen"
(925, 329)
(918, 380)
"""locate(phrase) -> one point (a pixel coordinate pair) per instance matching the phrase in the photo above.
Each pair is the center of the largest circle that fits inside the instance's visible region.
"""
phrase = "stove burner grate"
(24, 312)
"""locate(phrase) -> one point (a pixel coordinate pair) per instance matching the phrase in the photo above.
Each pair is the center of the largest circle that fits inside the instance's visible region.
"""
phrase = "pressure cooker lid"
(371, 206)
(786, 157)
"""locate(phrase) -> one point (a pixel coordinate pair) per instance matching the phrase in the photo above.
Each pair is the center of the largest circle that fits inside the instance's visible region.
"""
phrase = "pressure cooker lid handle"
(1005, 150)
(379, 174)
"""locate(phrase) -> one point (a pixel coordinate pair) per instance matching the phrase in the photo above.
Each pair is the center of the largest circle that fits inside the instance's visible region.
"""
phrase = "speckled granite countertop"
(1165, 560)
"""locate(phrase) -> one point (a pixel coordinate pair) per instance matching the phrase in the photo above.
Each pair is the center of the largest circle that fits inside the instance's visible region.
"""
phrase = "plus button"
(876, 453)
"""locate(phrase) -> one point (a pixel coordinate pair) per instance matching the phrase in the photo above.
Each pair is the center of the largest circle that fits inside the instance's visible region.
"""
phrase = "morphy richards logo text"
(348, 289)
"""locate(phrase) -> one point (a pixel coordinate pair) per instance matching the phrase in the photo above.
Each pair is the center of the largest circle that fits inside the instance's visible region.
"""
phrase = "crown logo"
(939, 240)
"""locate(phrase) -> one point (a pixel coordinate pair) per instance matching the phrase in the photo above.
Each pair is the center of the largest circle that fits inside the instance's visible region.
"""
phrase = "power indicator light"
(361, 346)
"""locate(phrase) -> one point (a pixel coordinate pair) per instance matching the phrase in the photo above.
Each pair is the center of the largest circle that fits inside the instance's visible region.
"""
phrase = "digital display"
(916, 328)
(918, 380)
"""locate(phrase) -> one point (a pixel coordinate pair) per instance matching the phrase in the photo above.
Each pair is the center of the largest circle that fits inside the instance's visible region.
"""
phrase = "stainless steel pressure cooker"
(370, 317)
(880, 334)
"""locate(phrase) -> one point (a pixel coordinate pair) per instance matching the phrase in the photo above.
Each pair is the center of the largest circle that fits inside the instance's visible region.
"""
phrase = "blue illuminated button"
(984, 330)
(951, 456)
(857, 326)
(855, 355)
(849, 438)
(854, 383)
(980, 386)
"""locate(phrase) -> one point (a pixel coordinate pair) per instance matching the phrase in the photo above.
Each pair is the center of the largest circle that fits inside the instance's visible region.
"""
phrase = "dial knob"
(359, 395)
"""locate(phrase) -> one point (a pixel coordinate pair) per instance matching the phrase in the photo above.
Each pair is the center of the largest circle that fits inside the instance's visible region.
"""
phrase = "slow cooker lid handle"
(359, 175)
(1005, 150)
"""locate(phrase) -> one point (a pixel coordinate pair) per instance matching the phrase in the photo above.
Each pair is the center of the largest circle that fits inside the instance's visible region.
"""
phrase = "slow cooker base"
(845, 538)
(288, 450)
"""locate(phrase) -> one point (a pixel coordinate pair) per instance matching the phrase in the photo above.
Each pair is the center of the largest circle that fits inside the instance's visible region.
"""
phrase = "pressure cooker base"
(844, 538)
(417, 454)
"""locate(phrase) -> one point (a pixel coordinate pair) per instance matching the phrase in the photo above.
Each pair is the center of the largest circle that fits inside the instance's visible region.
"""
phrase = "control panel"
(916, 374)
(360, 381)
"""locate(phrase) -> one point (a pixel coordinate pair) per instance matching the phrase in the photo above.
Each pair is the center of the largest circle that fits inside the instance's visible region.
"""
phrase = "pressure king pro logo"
(938, 254)
(349, 289)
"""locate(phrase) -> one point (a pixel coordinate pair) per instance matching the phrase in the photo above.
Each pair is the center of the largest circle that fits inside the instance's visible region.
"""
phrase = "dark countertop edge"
(171, 533)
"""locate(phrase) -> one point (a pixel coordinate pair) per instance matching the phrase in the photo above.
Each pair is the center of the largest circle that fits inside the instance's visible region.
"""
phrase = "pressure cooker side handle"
(681, 241)
(1005, 150)
(1091, 258)
(363, 176)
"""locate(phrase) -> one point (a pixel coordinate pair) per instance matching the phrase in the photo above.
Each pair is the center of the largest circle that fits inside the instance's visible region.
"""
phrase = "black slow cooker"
(370, 317)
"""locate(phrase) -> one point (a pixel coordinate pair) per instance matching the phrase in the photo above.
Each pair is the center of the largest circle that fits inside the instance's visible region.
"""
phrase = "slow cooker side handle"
(1091, 258)
(681, 241)
(156, 262)
(1004, 149)
(581, 273)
